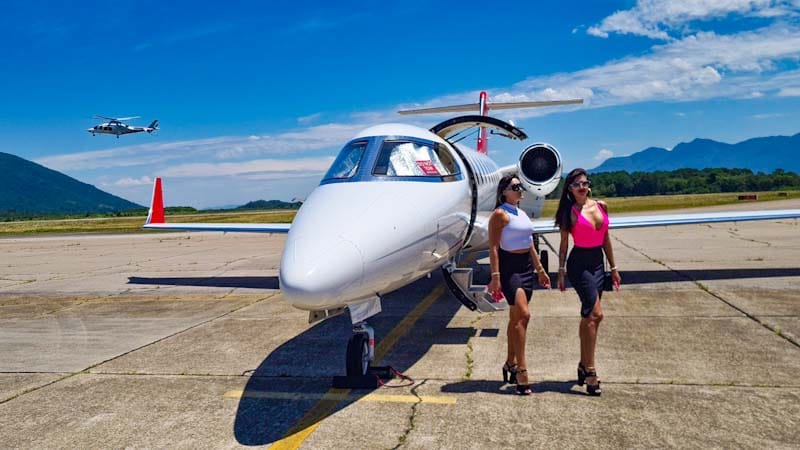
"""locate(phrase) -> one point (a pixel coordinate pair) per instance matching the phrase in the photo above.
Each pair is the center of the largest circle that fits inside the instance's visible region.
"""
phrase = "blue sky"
(255, 99)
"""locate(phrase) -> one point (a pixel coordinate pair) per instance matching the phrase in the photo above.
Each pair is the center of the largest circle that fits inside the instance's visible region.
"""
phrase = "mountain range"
(27, 188)
(762, 154)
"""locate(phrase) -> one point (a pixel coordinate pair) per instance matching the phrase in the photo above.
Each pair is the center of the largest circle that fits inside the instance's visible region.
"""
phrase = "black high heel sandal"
(581, 374)
(523, 389)
(592, 389)
(509, 373)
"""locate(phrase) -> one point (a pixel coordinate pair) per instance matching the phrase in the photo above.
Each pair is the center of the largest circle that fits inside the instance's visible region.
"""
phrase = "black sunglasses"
(517, 187)
(577, 184)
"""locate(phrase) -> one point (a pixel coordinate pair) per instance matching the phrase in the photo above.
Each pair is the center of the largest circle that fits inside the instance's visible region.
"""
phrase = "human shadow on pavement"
(284, 393)
(495, 387)
(228, 282)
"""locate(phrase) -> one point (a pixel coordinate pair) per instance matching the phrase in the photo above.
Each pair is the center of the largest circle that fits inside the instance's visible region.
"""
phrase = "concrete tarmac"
(182, 341)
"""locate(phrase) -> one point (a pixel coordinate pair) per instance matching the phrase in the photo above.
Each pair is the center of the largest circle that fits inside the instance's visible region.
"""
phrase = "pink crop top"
(584, 234)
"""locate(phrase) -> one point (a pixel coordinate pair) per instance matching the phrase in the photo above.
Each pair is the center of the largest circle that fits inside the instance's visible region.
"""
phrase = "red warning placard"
(427, 167)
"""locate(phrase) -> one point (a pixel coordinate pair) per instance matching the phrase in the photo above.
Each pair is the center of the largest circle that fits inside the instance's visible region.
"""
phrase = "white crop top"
(517, 234)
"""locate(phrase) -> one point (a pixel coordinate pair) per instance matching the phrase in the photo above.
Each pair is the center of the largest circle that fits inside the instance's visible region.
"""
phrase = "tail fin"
(156, 214)
(153, 125)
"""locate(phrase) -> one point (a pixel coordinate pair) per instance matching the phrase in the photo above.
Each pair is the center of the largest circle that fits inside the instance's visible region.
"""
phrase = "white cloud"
(766, 116)
(654, 18)
(305, 120)
(602, 155)
(330, 136)
(789, 92)
(255, 168)
(698, 67)
(128, 182)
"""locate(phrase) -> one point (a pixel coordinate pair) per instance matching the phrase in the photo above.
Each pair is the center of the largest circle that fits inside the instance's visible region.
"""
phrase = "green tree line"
(689, 181)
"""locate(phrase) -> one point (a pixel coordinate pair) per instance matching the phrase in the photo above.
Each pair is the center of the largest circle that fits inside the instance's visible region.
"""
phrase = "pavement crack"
(719, 297)
(740, 237)
(470, 361)
(412, 419)
(87, 370)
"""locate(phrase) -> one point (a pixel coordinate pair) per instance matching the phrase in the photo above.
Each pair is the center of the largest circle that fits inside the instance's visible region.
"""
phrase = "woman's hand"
(494, 285)
(544, 279)
(561, 286)
(616, 279)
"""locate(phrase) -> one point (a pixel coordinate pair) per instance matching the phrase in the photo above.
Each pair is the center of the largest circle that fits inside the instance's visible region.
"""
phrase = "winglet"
(156, 214)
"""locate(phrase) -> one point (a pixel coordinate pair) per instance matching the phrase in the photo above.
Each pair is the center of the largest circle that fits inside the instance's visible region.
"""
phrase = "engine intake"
(540, 168)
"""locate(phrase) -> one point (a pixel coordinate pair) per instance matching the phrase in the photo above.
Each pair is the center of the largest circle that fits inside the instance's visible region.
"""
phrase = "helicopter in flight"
(115, 126)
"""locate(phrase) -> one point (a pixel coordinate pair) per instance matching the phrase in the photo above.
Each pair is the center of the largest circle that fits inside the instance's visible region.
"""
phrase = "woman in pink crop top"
(512, 258)
(587, 221)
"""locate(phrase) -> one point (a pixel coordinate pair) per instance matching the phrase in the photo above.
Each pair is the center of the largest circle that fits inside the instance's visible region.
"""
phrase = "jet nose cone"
(314, 275)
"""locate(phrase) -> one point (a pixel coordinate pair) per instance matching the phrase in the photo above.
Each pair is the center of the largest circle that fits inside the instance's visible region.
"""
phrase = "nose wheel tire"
(357, 359)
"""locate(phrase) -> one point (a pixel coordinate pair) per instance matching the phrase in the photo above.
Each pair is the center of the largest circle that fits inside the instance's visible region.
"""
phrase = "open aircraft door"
(450, 129)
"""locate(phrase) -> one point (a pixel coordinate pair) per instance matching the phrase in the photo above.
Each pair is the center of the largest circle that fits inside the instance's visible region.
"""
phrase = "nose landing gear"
(360, 353)
(360, 350)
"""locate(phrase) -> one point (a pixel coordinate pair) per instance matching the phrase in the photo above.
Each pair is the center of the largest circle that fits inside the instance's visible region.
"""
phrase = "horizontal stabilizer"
(490, 106)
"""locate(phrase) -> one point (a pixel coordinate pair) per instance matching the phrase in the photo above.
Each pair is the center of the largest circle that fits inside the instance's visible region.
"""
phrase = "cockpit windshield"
(413, 159)
(346, 164)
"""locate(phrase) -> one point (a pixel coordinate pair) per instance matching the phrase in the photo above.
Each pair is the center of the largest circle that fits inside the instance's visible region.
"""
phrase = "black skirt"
(586, 273)
(516, 271)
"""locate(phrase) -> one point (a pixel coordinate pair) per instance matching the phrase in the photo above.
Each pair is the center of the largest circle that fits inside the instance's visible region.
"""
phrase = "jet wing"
(227, 227)
(655, 220)
(155, 220)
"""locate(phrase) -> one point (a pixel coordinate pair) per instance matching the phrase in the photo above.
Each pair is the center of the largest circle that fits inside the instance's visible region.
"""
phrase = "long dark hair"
(563, 214)
(501, 187)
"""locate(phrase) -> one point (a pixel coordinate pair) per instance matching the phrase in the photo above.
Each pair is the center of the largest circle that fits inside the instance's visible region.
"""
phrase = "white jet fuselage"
(354, 240)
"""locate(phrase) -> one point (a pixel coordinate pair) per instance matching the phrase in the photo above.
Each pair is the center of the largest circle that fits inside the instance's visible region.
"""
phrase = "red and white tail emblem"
(156, 214)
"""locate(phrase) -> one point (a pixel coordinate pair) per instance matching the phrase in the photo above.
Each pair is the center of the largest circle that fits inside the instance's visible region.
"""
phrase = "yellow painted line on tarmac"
(299, 433)
(341, 396)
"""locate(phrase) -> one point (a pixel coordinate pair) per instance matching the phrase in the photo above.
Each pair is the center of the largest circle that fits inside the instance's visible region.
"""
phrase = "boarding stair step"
(473, 296)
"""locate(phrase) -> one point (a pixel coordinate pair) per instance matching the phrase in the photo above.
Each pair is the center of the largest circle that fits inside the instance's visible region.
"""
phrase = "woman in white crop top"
(512, 258)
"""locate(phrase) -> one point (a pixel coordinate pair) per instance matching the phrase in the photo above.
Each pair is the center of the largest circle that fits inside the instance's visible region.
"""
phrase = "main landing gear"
(543, 255)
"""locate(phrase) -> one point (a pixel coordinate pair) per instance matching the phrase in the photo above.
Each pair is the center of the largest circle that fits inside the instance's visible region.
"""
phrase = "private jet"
(116, 127)
(400, 202)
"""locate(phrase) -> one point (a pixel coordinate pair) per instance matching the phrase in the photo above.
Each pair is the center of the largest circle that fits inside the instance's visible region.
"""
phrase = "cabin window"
(414, 159)
(346, 164)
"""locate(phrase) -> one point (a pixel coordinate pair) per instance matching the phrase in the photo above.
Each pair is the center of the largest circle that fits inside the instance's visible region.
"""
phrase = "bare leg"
(520, 316)
(588, 334)
(511, 356)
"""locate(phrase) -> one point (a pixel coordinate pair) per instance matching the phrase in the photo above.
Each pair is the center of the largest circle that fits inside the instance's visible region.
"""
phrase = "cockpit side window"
(402, 158)
(346, 164)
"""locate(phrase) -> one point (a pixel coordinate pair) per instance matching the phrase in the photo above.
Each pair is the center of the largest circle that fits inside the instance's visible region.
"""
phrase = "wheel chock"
(375, 377)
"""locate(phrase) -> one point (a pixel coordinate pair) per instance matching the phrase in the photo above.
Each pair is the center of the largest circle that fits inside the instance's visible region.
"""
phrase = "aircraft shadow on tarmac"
(491, 386)
(306, 364)
(231, 282)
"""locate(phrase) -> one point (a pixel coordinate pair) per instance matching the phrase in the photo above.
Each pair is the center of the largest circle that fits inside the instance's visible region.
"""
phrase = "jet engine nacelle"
(539, 168)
